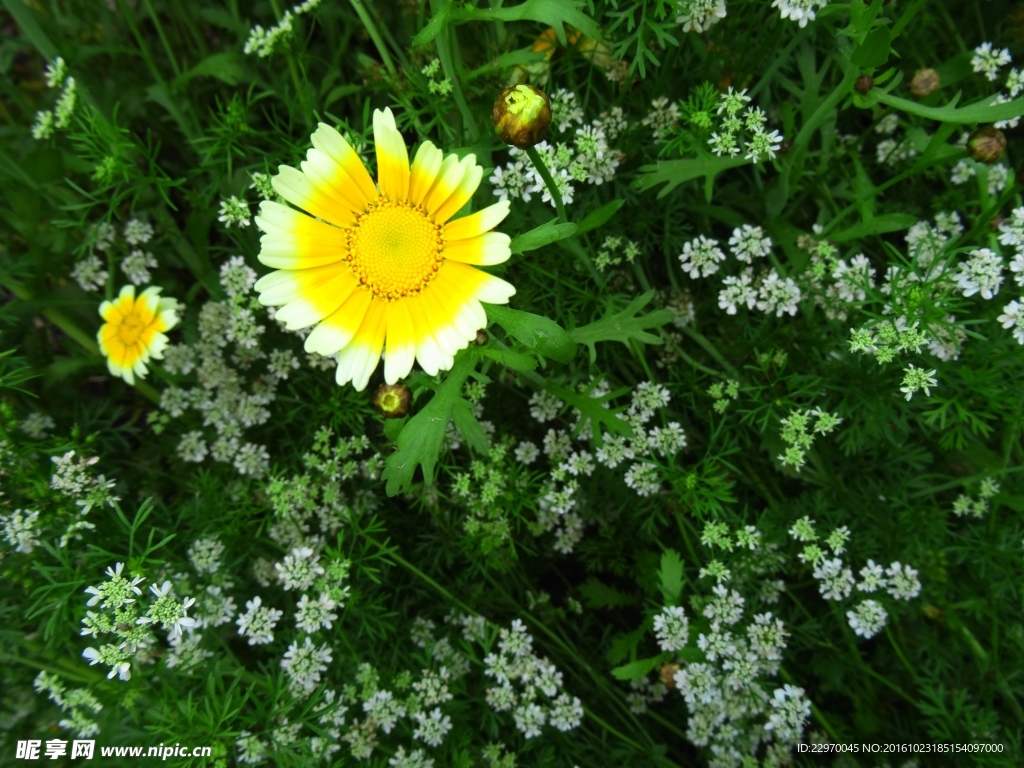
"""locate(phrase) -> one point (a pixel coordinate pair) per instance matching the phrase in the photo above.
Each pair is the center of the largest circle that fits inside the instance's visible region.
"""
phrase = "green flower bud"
(393, 400)
(986, 145)
(521, 116)
(924, 81)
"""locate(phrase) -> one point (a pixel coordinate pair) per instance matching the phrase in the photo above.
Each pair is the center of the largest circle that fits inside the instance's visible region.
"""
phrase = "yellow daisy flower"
(381, 266)
(132, 331)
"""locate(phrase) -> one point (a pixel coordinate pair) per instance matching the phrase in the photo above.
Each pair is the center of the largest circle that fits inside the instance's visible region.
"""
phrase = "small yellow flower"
(132, 331)
(381, 266)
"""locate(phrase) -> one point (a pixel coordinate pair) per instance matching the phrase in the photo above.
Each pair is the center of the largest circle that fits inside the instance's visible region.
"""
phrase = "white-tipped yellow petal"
(483, 250)
(495, 291)
(332, 180)
(392, 156)
(300, 190)
(425, 167)
(448, 178)
(472, 174)
(332, 143)
(360, 357)
(340, 327)
(294, 240)
(476, 223)
(400, 348)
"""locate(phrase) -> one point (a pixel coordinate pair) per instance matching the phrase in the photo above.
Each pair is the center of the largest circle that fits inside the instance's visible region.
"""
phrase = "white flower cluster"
(583, 153)
(800, 11)
(129, 620)
(730, 709)
(263, 41)
(528, 686)
(988, 60)
(59, 118)
(78, 705)
(997, 175)
(700, 15)
(222, 397)
(21, 529)
(836, 580)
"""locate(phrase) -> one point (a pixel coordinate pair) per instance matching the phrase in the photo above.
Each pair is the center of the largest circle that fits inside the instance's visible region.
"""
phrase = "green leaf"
(340, 92)
(538, 333)
(517, 361)
(469, 426)
(551, 13)
(510, 59)
(593, 410)
(671, 573)
(874, 51)
(672, 173)
(600, 595)
(419, 443)
(393, 427)
(637, 669)
(979, 112)
(29, 27)
(624, 646)
(545, 234)
(600, 217)
(877, 225)
(227, 66)
(624, 326)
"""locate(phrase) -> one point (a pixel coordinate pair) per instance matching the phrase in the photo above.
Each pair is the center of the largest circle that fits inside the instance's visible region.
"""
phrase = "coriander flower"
(700, 15)
(917, 379)
(762, 144)
(258, 622)
(1013, 317)
(723, 144)
(778, 295)
(701, 257)
(738, 290)
(138, 232)
(748, 243)
(234, 212)
(988, 61)
(867, 619)
(800, 11)
(672, 628)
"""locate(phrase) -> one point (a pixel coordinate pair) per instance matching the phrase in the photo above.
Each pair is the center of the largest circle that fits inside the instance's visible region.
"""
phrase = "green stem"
(305, 106)
(163, 38)
(374, 33)
(711, 350)
(147, 56)
(446, 41)
(549, 182)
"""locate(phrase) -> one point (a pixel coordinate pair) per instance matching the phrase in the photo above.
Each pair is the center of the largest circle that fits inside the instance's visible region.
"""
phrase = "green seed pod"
(393, 400)
(521, 116)
(986, 145)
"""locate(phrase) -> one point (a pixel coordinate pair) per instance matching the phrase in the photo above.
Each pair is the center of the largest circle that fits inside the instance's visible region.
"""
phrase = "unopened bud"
(986, 145)
(923, 82)
(667, 673)
(864, 84)
(393, 400)
(521, 116)
(481, 338)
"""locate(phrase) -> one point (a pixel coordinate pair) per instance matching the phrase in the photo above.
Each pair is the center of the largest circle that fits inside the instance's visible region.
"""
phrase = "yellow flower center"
(131, 327)
(394, 249)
